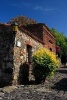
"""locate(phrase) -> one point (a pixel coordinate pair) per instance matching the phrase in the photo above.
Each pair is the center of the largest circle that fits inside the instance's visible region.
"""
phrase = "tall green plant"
(44, 63)
(61, 40)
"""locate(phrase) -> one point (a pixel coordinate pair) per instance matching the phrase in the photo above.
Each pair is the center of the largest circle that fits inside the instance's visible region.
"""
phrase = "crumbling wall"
(6, 56)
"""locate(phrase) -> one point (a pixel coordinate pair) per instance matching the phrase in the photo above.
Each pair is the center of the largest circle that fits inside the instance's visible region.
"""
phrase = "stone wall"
(35, 29)
(13, 50)
(49, 40)
(6, 56)
(41, 31)
(20, 51)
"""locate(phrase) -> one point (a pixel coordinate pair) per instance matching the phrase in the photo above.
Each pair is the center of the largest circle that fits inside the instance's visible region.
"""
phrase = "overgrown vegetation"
(44, 64)
(61, 41)
(22, 20)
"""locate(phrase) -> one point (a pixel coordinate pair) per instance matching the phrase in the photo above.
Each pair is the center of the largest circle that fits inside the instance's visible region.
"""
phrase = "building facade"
(16, 47)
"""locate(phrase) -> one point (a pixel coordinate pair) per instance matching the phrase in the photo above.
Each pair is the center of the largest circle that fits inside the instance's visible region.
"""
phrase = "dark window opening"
(51, 41)
(50, 49)
(29, 53)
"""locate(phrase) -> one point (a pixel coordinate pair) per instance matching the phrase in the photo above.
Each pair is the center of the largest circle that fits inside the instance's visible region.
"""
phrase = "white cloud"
(49, 9)
(22, 4)
(43, 9)
(38, 8)
(30, 5)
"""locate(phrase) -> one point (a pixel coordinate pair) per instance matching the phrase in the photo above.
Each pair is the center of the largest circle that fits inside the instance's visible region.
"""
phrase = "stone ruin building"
(17, 45)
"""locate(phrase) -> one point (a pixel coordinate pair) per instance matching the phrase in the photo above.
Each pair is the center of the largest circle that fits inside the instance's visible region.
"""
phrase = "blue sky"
(51, 12)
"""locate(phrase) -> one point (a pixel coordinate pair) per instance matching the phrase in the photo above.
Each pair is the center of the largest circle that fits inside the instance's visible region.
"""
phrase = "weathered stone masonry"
(6, 54)
(17, 48)
(41, 31)
(20, 52)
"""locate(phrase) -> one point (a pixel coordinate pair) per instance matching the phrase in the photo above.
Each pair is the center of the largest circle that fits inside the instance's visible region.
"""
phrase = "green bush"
(44, 64)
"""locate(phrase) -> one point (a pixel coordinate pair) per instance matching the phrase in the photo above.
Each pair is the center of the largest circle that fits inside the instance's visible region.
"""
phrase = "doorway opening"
(29, 54)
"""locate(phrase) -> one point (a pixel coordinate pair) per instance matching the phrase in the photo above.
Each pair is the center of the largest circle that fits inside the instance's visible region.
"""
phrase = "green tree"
(61, 40)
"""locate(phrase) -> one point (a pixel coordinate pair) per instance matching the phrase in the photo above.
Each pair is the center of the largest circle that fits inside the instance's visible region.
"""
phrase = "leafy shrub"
(44, 63)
